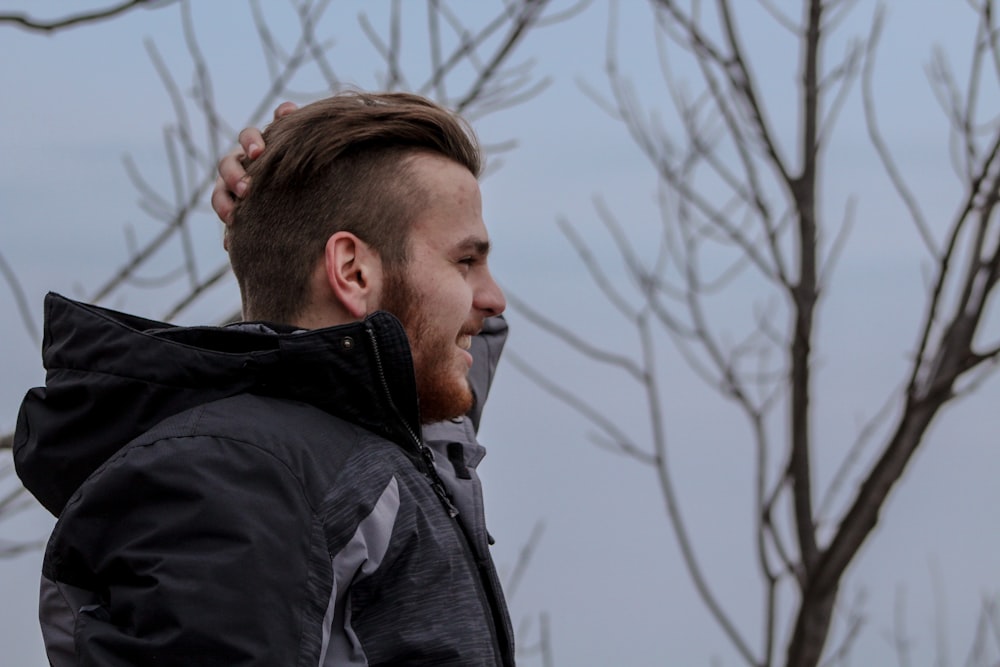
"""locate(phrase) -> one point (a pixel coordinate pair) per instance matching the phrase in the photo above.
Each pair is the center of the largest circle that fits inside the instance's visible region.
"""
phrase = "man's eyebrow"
(476, 244)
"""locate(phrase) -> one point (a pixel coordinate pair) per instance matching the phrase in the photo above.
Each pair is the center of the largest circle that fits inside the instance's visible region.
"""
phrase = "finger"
(223, 203)
(233, 175)
(284, 109)
(251, 141)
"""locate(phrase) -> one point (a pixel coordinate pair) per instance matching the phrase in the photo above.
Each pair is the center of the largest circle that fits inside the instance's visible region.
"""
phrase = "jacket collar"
(111, 376)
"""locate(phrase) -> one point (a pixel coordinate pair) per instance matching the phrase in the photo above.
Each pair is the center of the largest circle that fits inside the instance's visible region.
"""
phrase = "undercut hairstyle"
(340, 164)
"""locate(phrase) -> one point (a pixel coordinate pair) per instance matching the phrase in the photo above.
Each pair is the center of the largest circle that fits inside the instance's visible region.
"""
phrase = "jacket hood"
(111, 376)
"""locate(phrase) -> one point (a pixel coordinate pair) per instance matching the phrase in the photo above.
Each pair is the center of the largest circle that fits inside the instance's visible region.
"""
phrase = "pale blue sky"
(607, 570)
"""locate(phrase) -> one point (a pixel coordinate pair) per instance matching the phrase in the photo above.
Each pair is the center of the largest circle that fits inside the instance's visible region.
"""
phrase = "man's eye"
(468, 261)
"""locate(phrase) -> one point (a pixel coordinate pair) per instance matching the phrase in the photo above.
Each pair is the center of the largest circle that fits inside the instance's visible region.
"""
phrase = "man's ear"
(354, 273)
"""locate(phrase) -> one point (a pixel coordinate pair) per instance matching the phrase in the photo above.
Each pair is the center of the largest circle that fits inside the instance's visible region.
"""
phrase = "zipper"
(487, 594)
(427, 457)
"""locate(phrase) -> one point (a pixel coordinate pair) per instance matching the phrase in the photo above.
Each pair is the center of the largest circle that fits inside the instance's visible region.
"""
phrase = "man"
(261, 494)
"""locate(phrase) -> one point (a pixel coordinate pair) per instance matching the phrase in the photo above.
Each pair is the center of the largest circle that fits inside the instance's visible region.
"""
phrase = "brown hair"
(340, 164)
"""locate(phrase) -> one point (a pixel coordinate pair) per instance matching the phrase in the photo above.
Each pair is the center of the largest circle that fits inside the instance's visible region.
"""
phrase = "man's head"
(340, 164)
(370, 202)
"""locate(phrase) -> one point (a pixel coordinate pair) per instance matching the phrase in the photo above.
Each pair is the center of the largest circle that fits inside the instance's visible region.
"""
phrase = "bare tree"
(24, 21)
(738, 207)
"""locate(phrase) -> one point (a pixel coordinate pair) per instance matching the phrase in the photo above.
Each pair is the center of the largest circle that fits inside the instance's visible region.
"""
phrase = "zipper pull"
(436, 483)
(445, 500)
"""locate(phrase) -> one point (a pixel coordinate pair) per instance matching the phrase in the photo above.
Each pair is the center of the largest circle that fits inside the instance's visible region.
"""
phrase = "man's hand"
(232, 183)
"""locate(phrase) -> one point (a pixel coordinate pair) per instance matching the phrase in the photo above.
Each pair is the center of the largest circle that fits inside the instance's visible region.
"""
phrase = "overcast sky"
(607, 571)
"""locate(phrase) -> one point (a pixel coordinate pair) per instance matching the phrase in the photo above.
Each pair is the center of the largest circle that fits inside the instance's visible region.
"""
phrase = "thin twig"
(885, 155)
(26, 22)
(20, 299)
(524, 559)
(623, 444)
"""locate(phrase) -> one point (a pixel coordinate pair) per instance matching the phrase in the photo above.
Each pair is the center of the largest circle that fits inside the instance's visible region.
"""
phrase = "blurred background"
(747, 412)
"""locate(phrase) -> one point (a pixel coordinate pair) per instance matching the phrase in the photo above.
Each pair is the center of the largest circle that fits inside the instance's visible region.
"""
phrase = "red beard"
(442, 388)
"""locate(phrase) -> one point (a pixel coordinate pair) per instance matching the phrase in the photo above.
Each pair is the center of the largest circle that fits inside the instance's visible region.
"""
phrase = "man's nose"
(490, 298)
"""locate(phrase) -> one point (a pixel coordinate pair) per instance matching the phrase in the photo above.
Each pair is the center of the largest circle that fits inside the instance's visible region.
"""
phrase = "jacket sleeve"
(486, 349)
(197, 552)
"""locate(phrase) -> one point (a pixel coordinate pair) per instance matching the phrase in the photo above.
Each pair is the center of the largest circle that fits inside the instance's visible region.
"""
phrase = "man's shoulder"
(308, 443)
(244, 447)
(262, 418)
(259, 419)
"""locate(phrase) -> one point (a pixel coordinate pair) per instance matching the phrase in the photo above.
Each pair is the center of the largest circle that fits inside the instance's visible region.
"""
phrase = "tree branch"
(25, 22)
(20, 299)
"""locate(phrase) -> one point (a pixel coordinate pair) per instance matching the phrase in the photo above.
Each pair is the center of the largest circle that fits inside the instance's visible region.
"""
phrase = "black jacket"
(240, 496)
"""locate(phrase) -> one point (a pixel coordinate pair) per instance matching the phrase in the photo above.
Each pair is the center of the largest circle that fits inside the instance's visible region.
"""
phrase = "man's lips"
(464, 342)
